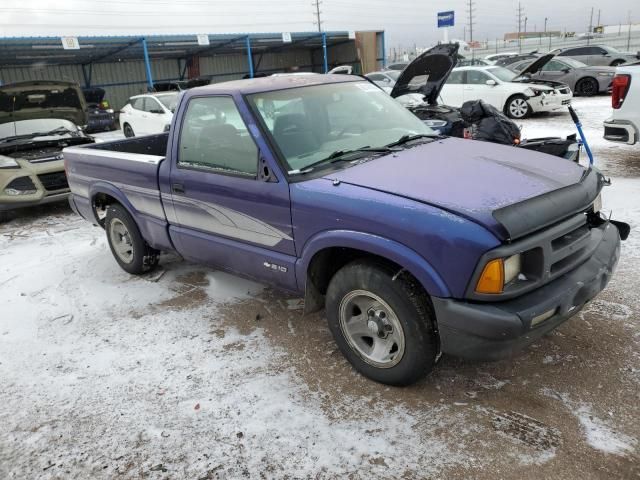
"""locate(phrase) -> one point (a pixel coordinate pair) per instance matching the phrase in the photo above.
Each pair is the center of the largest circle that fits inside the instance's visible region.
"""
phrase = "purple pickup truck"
(323, 185)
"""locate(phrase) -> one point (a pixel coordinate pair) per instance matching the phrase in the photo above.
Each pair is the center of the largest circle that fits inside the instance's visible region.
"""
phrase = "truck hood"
(428, 73)
(42, 99)
(486, 183)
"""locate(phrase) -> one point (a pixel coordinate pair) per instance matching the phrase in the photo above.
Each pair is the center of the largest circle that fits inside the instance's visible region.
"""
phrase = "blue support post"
(250, 56)
(384, 52)
(324, 52)
(147, 64)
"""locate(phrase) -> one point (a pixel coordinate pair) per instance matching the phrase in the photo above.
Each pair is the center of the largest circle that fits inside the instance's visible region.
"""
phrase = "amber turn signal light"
(492, 278)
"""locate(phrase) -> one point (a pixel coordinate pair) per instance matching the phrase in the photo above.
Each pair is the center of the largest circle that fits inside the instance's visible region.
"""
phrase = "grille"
(21, 184)
(54, 181)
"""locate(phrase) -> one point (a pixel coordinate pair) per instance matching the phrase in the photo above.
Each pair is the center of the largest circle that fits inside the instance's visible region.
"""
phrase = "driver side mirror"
(491, 83)
(565, 70)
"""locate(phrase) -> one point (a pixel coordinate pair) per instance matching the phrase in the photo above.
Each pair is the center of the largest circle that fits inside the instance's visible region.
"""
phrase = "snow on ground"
(192, 373)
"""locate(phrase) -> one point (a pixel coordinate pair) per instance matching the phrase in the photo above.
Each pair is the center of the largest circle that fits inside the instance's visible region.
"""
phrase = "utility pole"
(629, 32)
(525, 25)
(520, 12)
(470, 11)
(317, 13)
(598, 24)
(545, 24)
(590, 27)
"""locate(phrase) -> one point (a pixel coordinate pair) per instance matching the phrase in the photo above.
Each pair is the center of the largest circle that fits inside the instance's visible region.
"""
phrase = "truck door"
(230, 210)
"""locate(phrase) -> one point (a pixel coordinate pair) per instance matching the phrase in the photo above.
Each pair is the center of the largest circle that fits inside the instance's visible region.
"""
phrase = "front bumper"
(489, 331)
(48, 182)
(620, 131)
(549, 102)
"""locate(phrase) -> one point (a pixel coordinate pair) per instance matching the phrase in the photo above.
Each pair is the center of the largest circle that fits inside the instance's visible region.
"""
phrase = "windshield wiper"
(338, 156)
(26, 136)
(409, 138)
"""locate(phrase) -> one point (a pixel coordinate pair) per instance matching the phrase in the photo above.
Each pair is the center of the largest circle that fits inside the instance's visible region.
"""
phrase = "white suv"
(148, 114)
(624, 123)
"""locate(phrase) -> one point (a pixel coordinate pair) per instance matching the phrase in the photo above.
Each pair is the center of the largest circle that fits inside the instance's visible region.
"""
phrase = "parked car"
(516, 96)
(37, 120)
(597, 55)
(100, 115)
(397, 66)
(473, 62)
(494, 57)
(415, 244)
(148, 113)
(385, 79)
(624, 124)
(581, 78)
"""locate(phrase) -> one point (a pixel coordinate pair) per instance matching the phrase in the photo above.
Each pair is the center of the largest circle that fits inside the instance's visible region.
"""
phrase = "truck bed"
(128, 170)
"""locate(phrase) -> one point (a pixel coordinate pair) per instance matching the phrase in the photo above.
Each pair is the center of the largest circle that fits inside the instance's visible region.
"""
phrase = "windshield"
(502, 73)
(27, 127)
(310, 124)
(573, 63)
(394, 74)
(169, 100)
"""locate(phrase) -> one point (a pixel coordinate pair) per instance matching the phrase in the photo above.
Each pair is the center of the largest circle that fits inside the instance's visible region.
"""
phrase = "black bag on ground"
(489, 124)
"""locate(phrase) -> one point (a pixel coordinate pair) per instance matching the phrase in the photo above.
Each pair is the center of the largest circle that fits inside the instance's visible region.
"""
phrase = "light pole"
(545, 24)
(525, 25)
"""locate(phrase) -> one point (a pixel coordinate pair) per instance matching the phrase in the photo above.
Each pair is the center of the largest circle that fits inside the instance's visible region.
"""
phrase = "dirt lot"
(192, 373)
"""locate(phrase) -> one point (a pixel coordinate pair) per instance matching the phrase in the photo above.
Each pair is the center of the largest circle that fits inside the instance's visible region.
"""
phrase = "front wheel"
(127, 245)
(517, 107)
(382, 322)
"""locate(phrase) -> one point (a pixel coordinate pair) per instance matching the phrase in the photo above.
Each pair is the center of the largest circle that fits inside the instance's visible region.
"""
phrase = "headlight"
(109, 110)
(497, 273)
(435, 123)
(533, 92)
(597, 203)
(8, 162)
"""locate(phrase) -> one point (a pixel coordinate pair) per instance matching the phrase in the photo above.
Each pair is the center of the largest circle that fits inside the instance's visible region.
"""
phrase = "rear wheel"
(517, 107)
(127, 245)
(587, 87)
(128, 131)
(382, 322)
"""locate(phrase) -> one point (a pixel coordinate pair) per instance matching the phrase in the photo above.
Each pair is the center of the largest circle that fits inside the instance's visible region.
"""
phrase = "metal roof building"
(128, 65)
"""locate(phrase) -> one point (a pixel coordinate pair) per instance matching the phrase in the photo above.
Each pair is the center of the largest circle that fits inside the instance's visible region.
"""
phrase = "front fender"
(376, 245)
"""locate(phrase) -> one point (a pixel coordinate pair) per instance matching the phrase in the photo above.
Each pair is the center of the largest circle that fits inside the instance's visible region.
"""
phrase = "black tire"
(587, 87)
(617, 62)
(410, 307)
(143, 258)
(128, 131)
(510, 107)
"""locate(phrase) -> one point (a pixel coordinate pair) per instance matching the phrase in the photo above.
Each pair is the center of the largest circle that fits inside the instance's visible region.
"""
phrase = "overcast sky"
(405, 21)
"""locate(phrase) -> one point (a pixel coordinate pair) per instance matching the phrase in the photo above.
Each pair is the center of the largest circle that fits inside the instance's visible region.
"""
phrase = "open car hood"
(42, 99)
(536, 66)
(93, 95)
(428, 73)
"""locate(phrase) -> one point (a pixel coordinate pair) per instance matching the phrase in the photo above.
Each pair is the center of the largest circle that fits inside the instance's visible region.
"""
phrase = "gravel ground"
(191, 373)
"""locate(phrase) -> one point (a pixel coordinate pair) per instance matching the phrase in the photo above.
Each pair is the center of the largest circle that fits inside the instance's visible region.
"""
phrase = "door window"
(574, 52)
(215, 137)
(475, 77)
(554, 66)
(137, 103)
(456, 78)
(151, 105)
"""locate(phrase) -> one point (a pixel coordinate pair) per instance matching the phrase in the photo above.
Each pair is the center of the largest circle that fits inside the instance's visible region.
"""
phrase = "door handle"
(177, 188)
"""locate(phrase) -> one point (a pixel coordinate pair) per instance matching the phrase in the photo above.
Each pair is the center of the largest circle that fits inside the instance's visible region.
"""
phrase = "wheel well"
(617, 61)
(99, 204)
(327, 262)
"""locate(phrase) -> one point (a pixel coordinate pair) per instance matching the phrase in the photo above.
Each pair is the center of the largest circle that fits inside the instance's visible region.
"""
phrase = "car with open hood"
(37, 120)
(582, 79)
(100, 115)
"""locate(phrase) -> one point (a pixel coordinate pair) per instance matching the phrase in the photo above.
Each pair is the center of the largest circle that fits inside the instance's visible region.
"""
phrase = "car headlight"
(597, 203)
(109, 110)
(8, 162)
(533, 92)
(498, 273)
(435, 123)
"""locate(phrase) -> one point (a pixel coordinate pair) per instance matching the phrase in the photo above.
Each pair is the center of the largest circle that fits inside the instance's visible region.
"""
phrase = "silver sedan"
(581, 78)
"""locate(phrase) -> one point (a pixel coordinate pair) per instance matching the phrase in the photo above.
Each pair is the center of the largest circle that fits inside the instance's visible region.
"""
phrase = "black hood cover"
(536, 66)
(428, 73)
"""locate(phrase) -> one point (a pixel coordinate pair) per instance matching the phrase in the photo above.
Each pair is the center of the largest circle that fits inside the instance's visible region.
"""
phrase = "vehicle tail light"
(619, 89)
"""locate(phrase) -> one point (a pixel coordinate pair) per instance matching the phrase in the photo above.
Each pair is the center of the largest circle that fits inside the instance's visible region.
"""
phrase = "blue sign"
(446, 19)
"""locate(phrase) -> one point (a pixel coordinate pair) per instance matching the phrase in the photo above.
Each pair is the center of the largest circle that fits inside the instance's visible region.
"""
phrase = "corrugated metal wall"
(123, 79)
